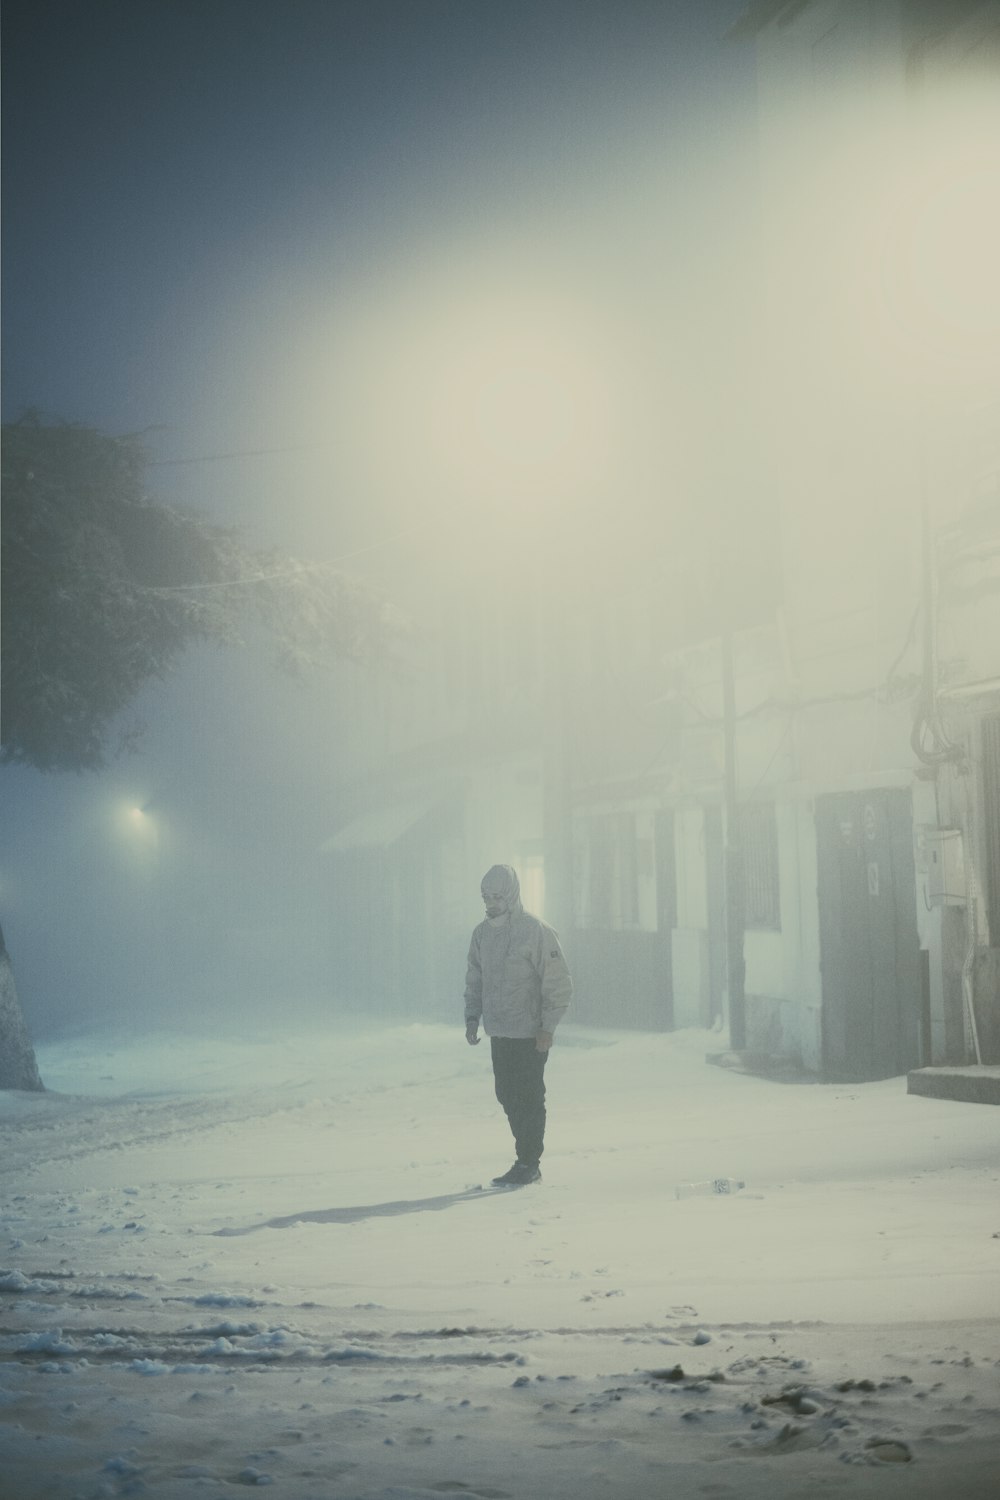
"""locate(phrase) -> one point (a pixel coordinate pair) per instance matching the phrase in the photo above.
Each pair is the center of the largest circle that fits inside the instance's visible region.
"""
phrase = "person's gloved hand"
(472, 1033)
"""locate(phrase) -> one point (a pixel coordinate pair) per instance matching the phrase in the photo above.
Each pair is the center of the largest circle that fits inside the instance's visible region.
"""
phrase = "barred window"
(761, 890)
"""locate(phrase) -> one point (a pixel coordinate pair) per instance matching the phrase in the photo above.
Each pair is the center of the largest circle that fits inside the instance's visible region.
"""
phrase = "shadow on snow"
(369, 1211)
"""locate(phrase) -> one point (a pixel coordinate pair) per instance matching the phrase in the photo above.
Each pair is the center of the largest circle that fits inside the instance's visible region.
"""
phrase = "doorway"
(869, 946)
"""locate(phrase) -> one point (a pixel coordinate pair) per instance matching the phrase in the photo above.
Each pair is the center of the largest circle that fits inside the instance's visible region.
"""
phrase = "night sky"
(219, 215)
(184, 176)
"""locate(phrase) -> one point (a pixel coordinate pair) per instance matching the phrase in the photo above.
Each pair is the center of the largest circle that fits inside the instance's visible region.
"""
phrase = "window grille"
(761, 888)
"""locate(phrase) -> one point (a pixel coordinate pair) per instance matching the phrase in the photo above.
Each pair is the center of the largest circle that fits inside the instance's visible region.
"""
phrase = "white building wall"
(765, 963)
(782, 968)
(692, 889)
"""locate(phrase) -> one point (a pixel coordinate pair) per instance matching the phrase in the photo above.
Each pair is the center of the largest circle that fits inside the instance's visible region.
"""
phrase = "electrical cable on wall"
(941, 751)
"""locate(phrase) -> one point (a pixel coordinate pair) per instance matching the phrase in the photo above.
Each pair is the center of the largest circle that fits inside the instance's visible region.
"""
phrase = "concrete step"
(975, 1084)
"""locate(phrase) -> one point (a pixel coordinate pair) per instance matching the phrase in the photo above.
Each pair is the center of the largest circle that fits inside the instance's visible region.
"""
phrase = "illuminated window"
(531, 875)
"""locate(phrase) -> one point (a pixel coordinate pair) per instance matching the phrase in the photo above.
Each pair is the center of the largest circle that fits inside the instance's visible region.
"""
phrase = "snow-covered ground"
(274, 1262)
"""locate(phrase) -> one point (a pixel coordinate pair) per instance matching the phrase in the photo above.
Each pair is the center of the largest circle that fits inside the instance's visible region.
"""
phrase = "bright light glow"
(503, 397)
(139, 829)
(926, 236)
(902, 234)
(950, 250)
(484, 378)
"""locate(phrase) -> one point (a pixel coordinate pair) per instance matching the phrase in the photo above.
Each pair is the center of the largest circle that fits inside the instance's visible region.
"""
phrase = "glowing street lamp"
(142, 826)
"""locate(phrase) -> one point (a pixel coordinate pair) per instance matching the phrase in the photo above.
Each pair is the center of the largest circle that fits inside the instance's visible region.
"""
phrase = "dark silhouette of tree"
(103, 589)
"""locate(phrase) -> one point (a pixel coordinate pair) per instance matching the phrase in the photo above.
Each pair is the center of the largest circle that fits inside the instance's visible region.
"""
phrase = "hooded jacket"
(517, 981)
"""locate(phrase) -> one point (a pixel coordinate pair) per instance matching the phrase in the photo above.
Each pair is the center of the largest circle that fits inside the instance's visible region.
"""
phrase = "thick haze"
(325, 237)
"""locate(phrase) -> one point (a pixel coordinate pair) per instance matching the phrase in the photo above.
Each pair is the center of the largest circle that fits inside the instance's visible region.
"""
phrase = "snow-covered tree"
(102, 590)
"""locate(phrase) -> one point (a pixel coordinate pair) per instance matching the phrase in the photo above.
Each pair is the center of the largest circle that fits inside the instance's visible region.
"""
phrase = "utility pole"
(557, 795)
(735, 902)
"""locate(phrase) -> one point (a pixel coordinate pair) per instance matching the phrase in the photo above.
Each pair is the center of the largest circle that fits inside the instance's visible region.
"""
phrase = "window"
(531, 873)
(607, 872)
(761, 890)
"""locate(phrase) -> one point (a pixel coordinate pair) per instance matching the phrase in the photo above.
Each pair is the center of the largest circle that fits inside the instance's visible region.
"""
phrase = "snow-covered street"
(279, 1262)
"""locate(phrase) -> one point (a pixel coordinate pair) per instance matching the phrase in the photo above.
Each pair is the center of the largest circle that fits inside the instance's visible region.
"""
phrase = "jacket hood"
(502, 881)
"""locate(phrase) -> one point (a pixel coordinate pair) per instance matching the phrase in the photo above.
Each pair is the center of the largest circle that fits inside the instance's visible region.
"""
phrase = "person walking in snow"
(518, 984)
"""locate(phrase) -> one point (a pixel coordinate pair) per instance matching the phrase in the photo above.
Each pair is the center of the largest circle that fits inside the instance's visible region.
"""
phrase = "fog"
(537, 325)
(380, 349)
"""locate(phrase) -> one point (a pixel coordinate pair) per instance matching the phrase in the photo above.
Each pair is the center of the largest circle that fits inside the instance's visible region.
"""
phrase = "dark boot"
(519, 1175)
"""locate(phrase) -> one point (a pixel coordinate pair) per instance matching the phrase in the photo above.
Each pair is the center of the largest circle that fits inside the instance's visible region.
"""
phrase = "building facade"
(754, 777)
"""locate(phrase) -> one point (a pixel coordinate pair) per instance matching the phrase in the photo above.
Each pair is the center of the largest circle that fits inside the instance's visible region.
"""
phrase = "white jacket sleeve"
(557, 985)
(474, 982)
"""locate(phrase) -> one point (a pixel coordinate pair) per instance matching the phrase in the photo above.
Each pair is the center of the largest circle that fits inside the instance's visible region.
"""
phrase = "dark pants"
(518, 1072)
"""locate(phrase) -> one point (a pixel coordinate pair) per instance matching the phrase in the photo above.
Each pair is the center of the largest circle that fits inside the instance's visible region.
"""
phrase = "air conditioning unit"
(945, 854)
